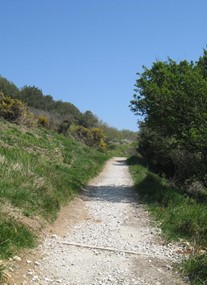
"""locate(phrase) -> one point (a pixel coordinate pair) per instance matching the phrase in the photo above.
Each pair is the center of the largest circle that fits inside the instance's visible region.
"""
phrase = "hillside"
(48, 152)
(60, 115)
(40, 171)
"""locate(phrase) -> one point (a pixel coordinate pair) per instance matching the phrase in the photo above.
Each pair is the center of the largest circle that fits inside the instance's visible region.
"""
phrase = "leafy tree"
(58, 110)
(88, 120)
(172, 97)
(32, 96)
(8, 88)
(65, 109)
(202, 64)
(114, 135)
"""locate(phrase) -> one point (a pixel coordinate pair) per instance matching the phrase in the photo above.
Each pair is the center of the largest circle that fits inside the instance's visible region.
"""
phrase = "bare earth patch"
(105, 236)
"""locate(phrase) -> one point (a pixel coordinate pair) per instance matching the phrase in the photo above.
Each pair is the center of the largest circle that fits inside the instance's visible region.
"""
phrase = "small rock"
(47, 279)
(35, 278)
(37, 263)
(186, 279)
(17, 258)
(30, 273)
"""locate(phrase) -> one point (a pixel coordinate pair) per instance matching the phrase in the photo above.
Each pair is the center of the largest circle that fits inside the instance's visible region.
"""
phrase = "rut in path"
(114, 244)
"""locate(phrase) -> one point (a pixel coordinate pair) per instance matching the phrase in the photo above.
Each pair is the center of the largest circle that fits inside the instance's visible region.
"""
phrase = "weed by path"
(180, 216)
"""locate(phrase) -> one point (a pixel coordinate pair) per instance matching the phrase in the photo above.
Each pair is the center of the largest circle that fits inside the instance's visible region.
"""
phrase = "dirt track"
(102, 237)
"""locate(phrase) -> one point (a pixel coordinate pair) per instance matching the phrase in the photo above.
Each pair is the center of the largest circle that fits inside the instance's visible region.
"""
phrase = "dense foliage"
(40, 104)
(93, 137)
(34, 97)
(172, 97)
(8, 88)
(14, 110)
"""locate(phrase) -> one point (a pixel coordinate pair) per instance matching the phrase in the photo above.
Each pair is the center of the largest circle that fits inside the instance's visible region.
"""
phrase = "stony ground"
(103, 237)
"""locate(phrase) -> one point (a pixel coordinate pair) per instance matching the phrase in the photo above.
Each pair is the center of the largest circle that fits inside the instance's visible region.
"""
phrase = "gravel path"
(115, 243)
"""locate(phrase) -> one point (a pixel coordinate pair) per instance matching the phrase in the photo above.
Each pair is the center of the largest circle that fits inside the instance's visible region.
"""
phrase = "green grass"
(40, 170)
(196, 268)
(181, 217)
(123, 149)
(14, 236)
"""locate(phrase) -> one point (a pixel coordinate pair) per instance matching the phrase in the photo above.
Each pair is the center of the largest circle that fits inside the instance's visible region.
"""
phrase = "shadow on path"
(120, 162)
(113, 194)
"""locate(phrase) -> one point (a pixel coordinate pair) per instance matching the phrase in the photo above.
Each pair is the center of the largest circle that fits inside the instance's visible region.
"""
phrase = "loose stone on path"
(116, 244)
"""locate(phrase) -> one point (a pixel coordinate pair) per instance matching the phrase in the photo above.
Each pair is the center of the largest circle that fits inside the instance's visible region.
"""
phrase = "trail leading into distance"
(114, 243)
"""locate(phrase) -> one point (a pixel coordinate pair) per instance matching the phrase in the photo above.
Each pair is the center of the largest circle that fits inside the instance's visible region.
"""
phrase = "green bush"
(43, 121)
(15, 111)
(11, 109)
(172, 97)
(92, 137)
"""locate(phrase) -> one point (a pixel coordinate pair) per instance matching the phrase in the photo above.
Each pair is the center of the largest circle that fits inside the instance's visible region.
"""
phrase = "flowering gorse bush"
(11, 109)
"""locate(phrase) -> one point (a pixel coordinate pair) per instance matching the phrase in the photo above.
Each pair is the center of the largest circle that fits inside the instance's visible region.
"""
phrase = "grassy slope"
(40, 170)
(180, 216)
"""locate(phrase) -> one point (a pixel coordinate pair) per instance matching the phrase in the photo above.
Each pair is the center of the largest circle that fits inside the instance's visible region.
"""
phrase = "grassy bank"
(40, 170)
(181, 217)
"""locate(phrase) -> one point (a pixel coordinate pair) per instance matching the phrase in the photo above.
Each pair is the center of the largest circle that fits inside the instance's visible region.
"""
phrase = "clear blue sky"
(88, 52)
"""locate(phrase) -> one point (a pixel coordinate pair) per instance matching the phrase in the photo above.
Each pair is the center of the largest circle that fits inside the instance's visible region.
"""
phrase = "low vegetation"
(48, 151)
(40, 170)
(45, 159)
(60, 116)
(14, 236)
(181, 217)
